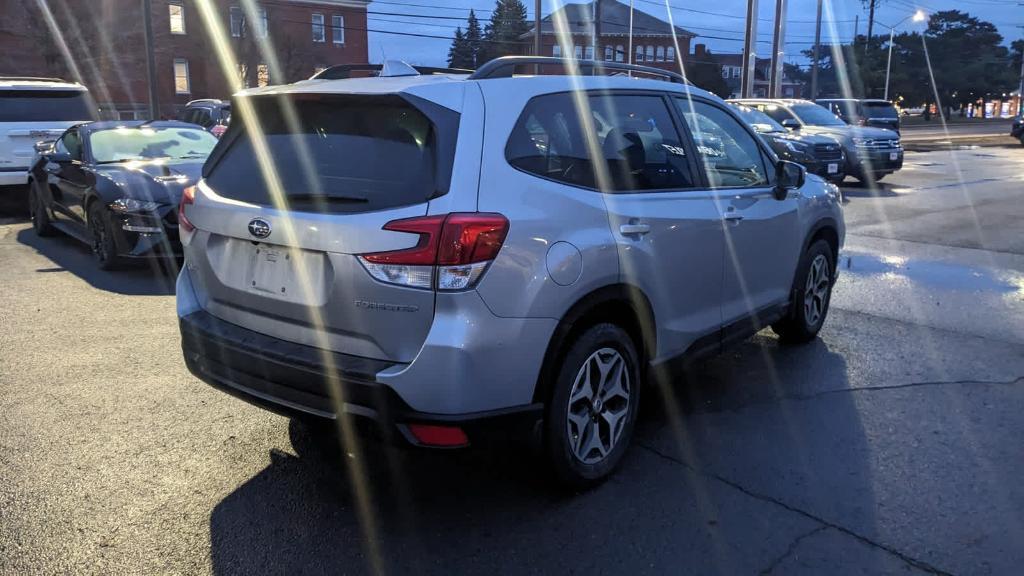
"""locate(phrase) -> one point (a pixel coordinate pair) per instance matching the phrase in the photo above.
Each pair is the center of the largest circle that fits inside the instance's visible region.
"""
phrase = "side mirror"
(791, 124)
(788, 176)
(44, 146)
(59, 157)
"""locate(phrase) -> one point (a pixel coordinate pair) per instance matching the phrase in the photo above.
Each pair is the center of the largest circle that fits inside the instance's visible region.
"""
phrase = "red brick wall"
(107, 42)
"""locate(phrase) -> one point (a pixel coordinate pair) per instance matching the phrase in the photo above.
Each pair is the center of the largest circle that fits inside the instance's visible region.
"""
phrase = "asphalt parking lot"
(892, 445)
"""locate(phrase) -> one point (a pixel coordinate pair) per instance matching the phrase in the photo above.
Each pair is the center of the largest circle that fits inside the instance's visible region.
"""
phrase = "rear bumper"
(297, 380)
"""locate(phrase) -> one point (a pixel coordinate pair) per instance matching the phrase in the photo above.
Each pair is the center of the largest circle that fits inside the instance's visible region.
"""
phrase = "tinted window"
(758, 120)
(633, 143)
(71, 143)
(44, 105)
(341, 153)
(146, 143)
(815, 115)
(880, 110)
(777, 113)
(730, 154)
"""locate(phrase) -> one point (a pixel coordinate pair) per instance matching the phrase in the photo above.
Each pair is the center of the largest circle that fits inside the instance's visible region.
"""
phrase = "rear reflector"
(188, 198)
(438, 436)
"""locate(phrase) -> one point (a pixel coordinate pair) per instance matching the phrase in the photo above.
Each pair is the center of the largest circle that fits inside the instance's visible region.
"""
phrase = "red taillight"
(439, 436)
(218, 130)
(452, 253)
(188, 197)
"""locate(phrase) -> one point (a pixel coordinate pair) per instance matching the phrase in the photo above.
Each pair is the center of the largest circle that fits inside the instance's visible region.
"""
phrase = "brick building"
(653, 43)
(106, 41)
(732, 71)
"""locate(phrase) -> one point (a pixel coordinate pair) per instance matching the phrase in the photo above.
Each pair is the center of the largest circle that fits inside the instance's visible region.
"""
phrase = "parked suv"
(871, 153)
(212, 114)
(819, 154)
(32, 110)
(875, 113)
(452, 255)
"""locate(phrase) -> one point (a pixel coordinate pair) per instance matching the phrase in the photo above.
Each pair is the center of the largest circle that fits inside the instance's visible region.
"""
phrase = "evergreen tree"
(458, 56)
(474, 41)
(503, 35)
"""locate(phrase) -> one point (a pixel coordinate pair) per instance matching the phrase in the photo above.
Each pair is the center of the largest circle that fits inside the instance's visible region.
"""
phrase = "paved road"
(890, 446)
(956, 130)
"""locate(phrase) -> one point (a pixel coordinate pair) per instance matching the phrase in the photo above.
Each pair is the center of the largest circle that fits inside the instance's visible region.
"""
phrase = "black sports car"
(116, 185)
(820, 154)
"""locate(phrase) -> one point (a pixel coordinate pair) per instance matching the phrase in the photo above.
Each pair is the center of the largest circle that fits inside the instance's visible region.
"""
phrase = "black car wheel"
(37, 211)
(589, 420)
(103, 245)
(812, 292)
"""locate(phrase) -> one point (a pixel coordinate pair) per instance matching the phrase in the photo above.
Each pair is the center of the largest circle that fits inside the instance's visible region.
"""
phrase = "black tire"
(607, 343)
(803, 322)
(41, 223)
(104, 248)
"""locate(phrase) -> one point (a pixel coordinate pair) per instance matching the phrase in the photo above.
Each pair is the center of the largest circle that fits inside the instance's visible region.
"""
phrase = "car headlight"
(861, 142)
(797, 147)
(131, 205)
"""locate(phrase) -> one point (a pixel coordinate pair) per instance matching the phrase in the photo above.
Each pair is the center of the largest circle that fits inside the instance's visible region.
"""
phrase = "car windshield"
(758, 120)
(146, 143)
(44, 106)
(879, 110)
(815, 115)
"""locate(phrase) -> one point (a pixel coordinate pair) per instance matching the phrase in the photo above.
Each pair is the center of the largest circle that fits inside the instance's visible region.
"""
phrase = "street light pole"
(888, 64)
(817, 54)
(749, 52)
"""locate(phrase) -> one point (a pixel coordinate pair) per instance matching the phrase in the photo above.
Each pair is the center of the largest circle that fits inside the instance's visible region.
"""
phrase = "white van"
(32, 110)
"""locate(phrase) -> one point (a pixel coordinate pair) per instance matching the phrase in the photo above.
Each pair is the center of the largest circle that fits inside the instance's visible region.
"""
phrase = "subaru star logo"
(259, 227)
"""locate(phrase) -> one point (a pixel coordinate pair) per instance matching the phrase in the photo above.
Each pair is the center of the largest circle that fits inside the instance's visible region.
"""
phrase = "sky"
(719, 24)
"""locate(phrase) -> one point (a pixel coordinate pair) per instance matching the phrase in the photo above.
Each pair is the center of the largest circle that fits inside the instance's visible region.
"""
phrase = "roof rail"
(505, 66)
(343, 71)
(33, 79)
(198, 100)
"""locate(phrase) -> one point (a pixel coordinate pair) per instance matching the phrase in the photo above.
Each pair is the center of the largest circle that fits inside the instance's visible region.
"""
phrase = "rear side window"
(44, 105)
(340, 153)
(880, 110)
(608, 142)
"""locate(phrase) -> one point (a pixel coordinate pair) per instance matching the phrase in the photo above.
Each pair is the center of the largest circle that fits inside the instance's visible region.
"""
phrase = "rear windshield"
(44, 106)
(879, 110)
(816, 115)
(340, 153)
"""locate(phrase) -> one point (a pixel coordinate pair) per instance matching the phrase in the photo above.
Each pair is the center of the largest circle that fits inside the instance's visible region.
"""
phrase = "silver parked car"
(450, 255)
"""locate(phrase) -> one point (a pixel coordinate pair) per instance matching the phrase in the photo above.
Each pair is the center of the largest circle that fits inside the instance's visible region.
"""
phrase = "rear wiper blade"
(325, 198)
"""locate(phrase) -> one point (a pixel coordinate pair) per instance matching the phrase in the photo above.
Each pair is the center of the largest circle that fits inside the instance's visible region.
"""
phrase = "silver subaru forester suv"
(454, 256)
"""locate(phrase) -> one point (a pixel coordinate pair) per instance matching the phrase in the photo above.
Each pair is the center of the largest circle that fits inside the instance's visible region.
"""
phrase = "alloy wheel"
(816, 290)
(598, 405)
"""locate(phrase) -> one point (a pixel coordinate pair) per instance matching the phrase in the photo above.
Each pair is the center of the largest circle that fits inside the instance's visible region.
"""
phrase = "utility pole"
(856, 28)
(629, 53)
(871, 24)
(536, 29)
(147, 18)
(778, 50)
(597, 29)
(817, 55)
(749, 52)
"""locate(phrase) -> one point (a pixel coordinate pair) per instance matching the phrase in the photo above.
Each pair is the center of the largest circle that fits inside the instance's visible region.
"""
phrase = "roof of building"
(614, 21)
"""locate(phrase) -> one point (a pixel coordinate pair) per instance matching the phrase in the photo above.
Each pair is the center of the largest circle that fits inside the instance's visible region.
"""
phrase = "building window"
(556, 51)
(261, 25)
(639, 54)
(578, 51)
(338, 29)
(620, 54)
(243, 75)
(725, 71)
(319, 34)
(670, 54)
(262, 75)
(660, 54)
(177, 13)
(181, 85)
(608, 53)
(735, 71)
(588, 53)
(650, 53)
(237, 22)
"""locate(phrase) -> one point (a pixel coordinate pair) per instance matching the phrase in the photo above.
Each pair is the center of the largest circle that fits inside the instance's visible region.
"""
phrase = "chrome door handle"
(634, 229)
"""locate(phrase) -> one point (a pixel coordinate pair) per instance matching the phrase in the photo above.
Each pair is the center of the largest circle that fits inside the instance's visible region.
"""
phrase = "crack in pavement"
(792, 548)
(919, 564)
(823, 393)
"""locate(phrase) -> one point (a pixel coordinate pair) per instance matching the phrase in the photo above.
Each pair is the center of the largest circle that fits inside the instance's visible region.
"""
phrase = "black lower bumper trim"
(297, 380)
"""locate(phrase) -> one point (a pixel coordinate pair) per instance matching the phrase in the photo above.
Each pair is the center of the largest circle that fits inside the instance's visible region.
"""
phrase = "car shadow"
(869, 190)
(327, 510)
(143, 278)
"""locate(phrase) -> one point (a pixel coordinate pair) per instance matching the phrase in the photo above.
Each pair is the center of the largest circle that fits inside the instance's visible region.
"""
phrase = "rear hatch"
(881, 114)
(281, 259)
(33, 114)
